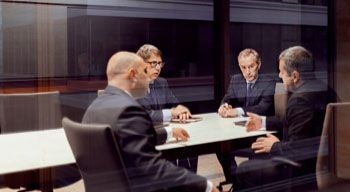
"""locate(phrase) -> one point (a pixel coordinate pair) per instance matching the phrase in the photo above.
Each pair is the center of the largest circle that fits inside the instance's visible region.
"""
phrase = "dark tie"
(153, 95)
(249, 92)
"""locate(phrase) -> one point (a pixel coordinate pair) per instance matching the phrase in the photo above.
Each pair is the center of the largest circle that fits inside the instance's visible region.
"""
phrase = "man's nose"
(158, 67)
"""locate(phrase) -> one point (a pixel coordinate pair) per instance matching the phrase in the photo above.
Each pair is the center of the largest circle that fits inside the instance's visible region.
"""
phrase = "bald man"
(137, 138)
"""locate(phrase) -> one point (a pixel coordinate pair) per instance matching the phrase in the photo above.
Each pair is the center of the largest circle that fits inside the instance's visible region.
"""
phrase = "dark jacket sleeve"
(156, 115)
(171, 100)
(230, 96)
(166, 97)
(161, 135)
(146, 170)
(299, 141)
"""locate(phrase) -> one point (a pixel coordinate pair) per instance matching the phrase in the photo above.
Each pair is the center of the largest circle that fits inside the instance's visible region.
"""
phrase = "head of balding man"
(128, 71)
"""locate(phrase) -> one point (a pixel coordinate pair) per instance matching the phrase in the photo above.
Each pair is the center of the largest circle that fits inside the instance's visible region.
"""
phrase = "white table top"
(33, 150)
(49, 148)
(212, 128)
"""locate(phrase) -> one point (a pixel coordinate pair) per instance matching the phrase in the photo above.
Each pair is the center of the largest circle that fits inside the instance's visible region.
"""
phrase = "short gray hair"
(299, 59)
(249, 52)
(147, 50)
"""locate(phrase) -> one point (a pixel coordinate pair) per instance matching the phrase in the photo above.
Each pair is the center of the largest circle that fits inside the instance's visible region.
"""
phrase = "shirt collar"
(127, 92)
(253, 81)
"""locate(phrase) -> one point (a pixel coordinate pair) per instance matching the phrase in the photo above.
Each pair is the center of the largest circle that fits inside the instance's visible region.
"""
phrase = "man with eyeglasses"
(247, 92)
(160, 102)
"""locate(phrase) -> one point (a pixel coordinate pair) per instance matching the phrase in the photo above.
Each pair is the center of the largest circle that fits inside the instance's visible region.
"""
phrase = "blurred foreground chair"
(333, 160)
(97, 155)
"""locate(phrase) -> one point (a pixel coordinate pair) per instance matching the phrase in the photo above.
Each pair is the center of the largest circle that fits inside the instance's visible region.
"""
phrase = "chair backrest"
(333, 159)
(29, 111)
(100, 92)
(97, 155)
(280, 99)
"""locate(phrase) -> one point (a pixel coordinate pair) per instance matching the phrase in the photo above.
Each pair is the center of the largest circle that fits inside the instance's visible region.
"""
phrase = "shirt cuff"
(166, 115)
(240, 111)
(263, 123)
(169, 132)
(209, 186)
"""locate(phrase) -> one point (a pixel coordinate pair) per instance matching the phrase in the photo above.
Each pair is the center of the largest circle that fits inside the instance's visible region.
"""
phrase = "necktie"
(153, 95)
(249, 92)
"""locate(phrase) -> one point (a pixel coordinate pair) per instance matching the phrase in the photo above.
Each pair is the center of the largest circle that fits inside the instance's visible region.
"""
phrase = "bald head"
(128, 72)
(120, 62)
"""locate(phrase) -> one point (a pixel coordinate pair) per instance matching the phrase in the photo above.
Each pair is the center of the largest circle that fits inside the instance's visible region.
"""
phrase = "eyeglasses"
(155, 63)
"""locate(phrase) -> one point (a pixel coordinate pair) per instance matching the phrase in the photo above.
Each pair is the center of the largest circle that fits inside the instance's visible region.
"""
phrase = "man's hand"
(181, 112)
(264, 144)
(226, 110)
(180, 134)
(254, 122)
(214, 189)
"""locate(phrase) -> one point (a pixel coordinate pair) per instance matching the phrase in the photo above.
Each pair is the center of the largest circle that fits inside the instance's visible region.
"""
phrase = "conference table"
(50, 148)
(211, 134)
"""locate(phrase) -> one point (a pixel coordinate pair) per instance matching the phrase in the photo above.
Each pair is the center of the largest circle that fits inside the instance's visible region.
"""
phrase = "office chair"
(333, 160)
(280, 100)
(97, 155)
(29, 111)
(100, 92)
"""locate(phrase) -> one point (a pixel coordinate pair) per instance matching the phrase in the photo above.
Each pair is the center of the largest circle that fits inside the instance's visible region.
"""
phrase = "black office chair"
(97, 155)
(100, 92)
(29, 111)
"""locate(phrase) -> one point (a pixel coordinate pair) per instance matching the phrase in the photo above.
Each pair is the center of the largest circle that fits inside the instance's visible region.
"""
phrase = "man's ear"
(132, 74)
(296, 76)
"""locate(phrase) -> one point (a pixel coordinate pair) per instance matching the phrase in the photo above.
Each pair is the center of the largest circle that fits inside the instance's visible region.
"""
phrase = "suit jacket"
(133, 128)
(261, 100)
(165, 100)
(302, 125)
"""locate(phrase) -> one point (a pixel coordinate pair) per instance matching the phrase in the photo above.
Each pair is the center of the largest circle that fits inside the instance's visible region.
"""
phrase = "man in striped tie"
(247, 92)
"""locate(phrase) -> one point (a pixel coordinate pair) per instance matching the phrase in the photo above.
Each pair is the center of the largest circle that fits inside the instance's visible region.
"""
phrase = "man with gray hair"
(128, 78)
(295, 154)
(248, 91)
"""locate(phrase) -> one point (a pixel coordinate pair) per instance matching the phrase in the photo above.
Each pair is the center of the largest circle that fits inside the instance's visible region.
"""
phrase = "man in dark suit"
(160, 102)
(136, 136)
(294, 155)
(247, 92)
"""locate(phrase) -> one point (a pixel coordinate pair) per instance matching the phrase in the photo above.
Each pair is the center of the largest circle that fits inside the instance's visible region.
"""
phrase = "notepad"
(240, 123)
(190, 120)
